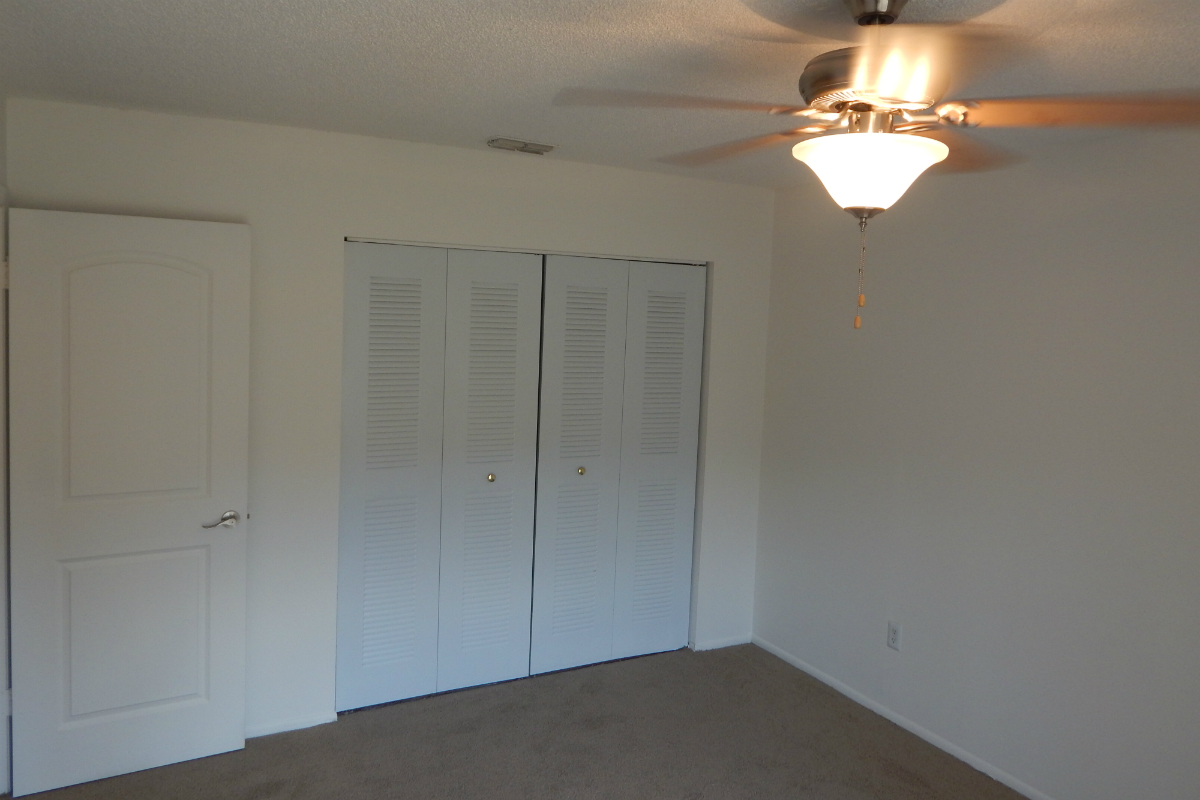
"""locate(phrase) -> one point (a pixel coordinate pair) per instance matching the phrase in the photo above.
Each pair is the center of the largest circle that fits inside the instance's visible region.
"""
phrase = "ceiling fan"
(875, 118)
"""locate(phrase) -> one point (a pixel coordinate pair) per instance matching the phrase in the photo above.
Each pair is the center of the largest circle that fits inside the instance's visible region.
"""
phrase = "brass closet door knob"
(491, 478)
(581, 470)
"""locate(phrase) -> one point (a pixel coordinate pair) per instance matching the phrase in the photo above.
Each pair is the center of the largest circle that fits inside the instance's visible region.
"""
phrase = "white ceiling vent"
(516, 145)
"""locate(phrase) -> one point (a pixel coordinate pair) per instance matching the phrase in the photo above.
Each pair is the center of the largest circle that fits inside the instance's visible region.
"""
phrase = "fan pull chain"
(862, 263)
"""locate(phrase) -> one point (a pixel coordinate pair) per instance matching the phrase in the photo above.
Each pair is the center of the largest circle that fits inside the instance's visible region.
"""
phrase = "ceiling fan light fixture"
(869, 170)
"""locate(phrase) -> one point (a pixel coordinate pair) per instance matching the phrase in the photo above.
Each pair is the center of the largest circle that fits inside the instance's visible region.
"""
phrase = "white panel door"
(129, 389)
(390, 538)
(579, 462)
(493, 321)
(663, 355)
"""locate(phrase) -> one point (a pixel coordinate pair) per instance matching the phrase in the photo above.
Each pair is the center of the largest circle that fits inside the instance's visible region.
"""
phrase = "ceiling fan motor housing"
(834, 82)
(875, 12)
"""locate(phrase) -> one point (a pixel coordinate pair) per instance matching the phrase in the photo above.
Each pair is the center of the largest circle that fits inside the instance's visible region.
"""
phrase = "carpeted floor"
(718, 725)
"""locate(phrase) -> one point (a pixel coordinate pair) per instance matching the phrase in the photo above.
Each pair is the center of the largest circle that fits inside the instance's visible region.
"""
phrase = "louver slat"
(583, 372)
(390, 565)
(487, 570)
(492, 383)
(662, 384)
(654, 550)
(577, 569)
(393, 373)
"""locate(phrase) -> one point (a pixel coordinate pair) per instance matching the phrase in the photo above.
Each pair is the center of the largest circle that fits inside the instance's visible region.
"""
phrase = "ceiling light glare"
(869, 170)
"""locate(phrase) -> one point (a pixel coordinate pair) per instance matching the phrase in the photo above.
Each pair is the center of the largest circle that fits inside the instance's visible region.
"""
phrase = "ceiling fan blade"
(967, 153)
(583, 96)
(785, 38)
(925, 62)
(707, 155)
(1084, 110)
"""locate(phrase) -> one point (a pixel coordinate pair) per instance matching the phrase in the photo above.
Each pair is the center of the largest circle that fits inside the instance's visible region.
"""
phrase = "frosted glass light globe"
(869, 170)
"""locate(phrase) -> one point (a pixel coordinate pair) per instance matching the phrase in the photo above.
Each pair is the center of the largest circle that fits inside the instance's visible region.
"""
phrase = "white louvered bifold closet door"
(579, 462)
(389, 541)
(660, 428)
(491, 406)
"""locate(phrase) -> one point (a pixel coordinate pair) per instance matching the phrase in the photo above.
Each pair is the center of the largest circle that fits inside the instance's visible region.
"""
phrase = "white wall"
(302, 192)
(1004, 459)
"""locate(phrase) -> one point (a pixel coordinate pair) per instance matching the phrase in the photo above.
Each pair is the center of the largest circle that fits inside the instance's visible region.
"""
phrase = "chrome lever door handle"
(228, 520)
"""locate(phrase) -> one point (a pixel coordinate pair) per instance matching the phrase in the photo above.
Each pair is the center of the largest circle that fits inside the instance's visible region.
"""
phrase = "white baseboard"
(717, 644)
(906, 723)
(289, 725)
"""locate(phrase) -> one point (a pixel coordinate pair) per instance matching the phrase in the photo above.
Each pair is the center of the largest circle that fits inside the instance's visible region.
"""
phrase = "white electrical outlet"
(894, 630)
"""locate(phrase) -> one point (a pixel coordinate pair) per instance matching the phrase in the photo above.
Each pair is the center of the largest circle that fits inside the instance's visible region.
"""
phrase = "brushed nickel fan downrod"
(876, 12)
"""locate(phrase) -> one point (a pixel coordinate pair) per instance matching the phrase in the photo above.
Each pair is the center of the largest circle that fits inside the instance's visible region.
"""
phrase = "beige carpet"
(723, 724)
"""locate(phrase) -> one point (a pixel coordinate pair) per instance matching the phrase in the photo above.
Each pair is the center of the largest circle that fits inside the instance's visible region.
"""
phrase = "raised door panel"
(389, 541)
(137, 372)
(579, 460)
(493, 324)
(129, 394)
(660, 429)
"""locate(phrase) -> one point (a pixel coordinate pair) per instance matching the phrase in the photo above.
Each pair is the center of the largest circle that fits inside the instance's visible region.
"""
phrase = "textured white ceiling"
(461, 71)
